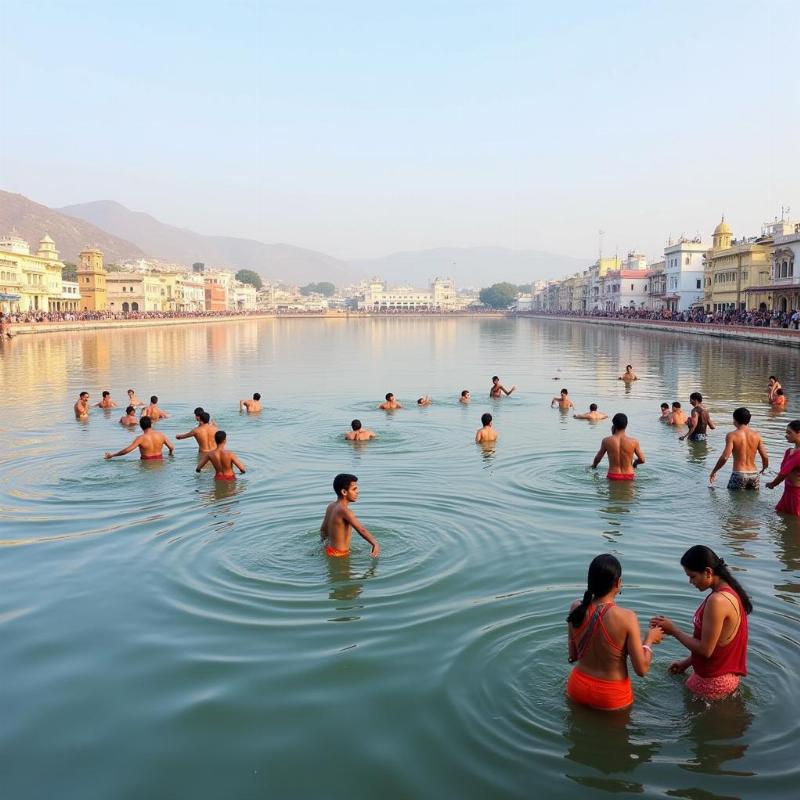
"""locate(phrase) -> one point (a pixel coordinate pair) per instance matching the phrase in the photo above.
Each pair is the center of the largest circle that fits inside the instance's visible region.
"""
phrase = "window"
(698, 284)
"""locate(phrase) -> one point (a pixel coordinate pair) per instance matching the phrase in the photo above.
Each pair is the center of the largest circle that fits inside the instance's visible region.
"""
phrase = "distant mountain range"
(124, 234)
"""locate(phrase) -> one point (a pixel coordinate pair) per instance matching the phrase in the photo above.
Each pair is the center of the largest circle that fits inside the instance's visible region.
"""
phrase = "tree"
(325, 288)
(70, 272)
(248, 276)
(499, 295)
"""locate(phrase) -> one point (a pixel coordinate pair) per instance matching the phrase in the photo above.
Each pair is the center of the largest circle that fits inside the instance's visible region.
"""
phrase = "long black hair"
(700, 557)
(604, 572)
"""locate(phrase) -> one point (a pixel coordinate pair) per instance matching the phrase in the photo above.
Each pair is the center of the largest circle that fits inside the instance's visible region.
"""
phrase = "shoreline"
(23, 329)
(782, 337)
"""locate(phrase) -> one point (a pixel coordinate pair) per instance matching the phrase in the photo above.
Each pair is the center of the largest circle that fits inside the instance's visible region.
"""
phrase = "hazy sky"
(361, 128)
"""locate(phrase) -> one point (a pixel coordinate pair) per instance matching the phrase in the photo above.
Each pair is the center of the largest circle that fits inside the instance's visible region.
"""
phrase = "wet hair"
(619, 421)
(198, 411)
(389, 396)
(153, 398)
(256, 396)
(700, 557)
(106, 393)
(794, 425)
(604, 572)
(565, 391)
(130, 391)
(629, 366)
(665, 405)
(145, 422)
(486, 418)
(742, 416)
(676, 404)
(204, 416)
(465, 392)
(356, 424)
(220, 437)
(779, 392)
(129, 410)
(592, 406)
(772, 378)
(342, 483)
(420, 401)
(83, 393)
(495, 378)
(696, 396)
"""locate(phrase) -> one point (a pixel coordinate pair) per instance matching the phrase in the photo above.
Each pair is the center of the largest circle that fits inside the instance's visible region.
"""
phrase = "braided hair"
(700, 557)
(604, 572)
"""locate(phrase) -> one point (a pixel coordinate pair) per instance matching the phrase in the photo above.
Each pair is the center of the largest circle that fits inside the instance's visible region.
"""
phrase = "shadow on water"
(346, 585)
(697, 451)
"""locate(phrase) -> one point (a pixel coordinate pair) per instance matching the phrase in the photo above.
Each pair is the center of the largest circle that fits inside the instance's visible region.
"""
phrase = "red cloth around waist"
(599, 692)
(620, 476)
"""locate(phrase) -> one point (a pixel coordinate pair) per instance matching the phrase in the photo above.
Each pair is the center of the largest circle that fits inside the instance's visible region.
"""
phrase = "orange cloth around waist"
(334, 553)
(221, 476)
(599, 692)
(157, 457)
(620, 476)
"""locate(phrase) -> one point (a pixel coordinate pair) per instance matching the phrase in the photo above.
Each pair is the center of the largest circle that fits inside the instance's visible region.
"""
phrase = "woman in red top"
(790, 472)
(718, 643)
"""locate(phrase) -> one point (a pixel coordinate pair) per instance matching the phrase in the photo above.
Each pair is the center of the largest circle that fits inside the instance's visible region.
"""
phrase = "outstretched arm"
(363, 532)
(132, 446)
(508, 391)
(599, 457)
(187, 435)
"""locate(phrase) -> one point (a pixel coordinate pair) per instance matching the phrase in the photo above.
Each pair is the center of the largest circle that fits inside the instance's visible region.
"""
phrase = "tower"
(47, 249)
(723, 236)
(92, 281)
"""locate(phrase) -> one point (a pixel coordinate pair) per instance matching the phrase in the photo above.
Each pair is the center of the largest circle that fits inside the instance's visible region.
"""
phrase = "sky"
(365, 128)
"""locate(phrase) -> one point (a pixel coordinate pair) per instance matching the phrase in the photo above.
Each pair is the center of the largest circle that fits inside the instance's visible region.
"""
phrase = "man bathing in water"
(130, 418)
(337, 525)
(153, 411)
(564, 403)
(664, 412)
(743, 443)
(498, 390)
(621, 450)
(677, 416)
(389, 404)
(425, 400)
(487, 433)
(203, 434)
(464, 397)
(358, 434)
(592, 413)
(106, 402)
(133, 400)
(773, 384)
(81, 406)
(251, 406)
(779, 400)
(628, 375)
(149, 442)
(699, 421)
(221, 459)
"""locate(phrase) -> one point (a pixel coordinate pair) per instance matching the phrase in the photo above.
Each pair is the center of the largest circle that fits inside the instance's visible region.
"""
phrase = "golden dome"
(722, 228)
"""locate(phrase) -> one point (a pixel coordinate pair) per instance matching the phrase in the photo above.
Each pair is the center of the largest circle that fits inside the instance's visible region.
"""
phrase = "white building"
(441, 296)
(684, 273)
(244, 296)
(626, 289)
(786, 269)
(194, 293)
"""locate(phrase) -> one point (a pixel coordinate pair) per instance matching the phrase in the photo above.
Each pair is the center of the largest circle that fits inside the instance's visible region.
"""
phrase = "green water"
(165, 638)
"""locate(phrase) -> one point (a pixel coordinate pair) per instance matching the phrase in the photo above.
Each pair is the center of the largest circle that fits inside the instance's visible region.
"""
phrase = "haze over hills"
(273, 261)
(32, 220)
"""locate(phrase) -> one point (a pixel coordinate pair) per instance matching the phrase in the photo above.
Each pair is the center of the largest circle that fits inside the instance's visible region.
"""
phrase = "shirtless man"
(106, 402)
(464, 399)
(779, 400)
(592, 413)
(564, 403)
(699, 421)
(251, 406)
(153, 411)
(498, 390)
(133, 400)
(358, 434)
(621, 450)
(149, 442)
(339, 521)
(677, 416)
(743, 443)
(773, 384)
(389, 403)
(425, 400)
(130, 417)
(629, 375)
(664, 413)
(203, 434)
(487, 433)
(81, 406)
(221, 459)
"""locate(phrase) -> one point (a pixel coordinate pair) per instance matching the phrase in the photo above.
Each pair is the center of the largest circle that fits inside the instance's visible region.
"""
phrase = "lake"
(166, 637)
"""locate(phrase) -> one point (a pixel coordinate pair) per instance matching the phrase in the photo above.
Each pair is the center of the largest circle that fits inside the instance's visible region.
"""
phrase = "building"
(220, 297)
(135, 292)
(70, 300)
(194, 292)
(244, 296)
(657, 286)
(626, 289)
(684, 273)
(216, 298)
(92, 281)
(441, 296)
(786, 269)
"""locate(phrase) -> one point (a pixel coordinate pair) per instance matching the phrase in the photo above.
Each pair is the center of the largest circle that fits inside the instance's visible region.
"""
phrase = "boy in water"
(149, 442)
(203, 434)
(664, 413)
(629, 375)
(222, 460)
(81, 407)
(676, 417)
(621, 450)
(743, 444)
(498, 390)
(130, 417)
(153, 411)
(358, 434)
(487, 433)
(389, 403)
(339, 520)
(464, 399)
(591, 414)
(106, 402)
(251, 406)
(564, 403)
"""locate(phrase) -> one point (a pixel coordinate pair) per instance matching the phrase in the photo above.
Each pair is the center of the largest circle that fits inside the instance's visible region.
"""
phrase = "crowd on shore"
(35, 317)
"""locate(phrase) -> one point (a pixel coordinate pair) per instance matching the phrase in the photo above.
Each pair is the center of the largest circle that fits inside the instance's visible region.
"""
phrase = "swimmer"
(221, 459)
(790, 473)
(425, 400)
(153, 411)
(779, 400)
(677, 415)
(621, 450)
(358, 434)
(601, 637)
(699, 421)
(339, 520)
(149, 442)
(389, 404)
(106, 402)
(592, 413)
(133, 400)
(130, 418)
(498, 390)
(5, 327)
(564, 403)
(487, 433)
(464, 399)
(743, 443)
(203, 434)
(629, 375)
(773, 384)
(251, 406)
(664, 412)
(718, 643)
(81, 406)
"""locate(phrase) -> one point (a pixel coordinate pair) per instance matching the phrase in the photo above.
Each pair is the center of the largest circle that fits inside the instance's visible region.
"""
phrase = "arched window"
(135, 307)
(125, 307)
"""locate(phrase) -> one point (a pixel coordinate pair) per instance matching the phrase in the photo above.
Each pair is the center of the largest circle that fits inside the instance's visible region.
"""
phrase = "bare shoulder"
(574, 605)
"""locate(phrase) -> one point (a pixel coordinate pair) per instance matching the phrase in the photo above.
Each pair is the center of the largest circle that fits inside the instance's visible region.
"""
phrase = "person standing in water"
(664, 412)
(676, 417)
(718, 643)
(629, 375)
(359, 433)
(130, 419)
(81, 407)
(133, 400)
(203, 434)
(601, 637)
(592, 414)
(564, 403)
(338, 523)
(389, 403)
(464, 399)
(773, 384)
(221, 459)
(106, 402)
(153, 411)
(251, 406)
(498, 390)
(743, 443)
(789, 473)
(699, 421)
(487, 433)
(621, 450)
(150, 443)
